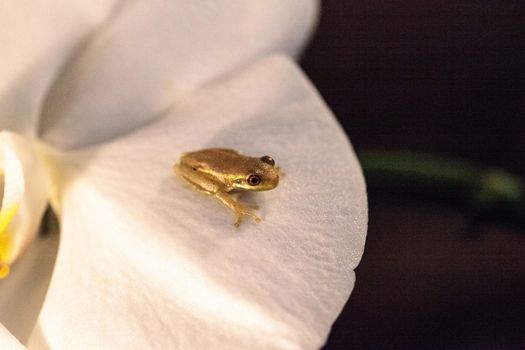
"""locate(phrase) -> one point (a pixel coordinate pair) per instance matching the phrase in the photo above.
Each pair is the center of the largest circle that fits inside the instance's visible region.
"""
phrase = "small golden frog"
(220, 172)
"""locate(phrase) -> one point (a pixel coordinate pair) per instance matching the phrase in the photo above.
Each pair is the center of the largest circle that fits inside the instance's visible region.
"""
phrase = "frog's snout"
(270, 182)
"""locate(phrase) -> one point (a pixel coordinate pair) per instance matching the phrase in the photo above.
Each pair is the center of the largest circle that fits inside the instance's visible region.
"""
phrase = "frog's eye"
(254, 180)
(268, 160)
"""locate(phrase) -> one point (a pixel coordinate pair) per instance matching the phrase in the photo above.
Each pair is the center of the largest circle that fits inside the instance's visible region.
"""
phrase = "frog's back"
(211, 158)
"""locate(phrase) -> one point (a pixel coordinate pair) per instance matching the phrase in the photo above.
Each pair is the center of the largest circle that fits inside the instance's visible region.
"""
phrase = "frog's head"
(260, 176)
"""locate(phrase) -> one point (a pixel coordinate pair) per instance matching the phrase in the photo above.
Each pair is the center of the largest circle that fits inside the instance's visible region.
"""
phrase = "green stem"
(487, 190)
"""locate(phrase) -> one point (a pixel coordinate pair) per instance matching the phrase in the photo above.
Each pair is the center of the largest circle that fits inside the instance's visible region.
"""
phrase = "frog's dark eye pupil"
(268, 160)
(254, 180)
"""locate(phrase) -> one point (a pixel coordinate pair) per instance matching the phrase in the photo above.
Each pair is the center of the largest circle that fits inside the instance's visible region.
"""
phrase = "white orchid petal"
(24, 197)
(7, 341)
(36, 38)
(145, 262)
(22, 293)
(157, 50)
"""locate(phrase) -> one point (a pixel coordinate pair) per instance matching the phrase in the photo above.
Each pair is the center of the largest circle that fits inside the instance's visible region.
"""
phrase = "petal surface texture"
(145, 262)
(7, 341)
(37, 37)
(152, 52)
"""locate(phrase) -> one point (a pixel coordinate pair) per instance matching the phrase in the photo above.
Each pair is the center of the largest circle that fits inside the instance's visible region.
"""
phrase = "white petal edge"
(7, 341)
(36, 39)
(155, 51)
(145, 262)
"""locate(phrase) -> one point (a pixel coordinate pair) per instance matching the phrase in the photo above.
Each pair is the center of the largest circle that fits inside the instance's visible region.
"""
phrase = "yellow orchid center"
(13, 191)
(6, 216)
(23, 197)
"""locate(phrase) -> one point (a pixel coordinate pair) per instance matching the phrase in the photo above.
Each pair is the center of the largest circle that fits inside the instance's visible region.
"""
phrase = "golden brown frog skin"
(219, 171)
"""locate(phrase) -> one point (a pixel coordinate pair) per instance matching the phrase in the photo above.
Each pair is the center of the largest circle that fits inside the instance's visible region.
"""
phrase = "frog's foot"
(242, 210)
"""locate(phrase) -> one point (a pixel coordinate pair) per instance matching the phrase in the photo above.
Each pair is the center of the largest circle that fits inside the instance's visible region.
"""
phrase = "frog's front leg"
(239, 209)
(205, 185)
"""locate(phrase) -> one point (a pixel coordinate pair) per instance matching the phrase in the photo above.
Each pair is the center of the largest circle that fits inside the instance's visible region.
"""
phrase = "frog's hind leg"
(183, 174)
(239, 209)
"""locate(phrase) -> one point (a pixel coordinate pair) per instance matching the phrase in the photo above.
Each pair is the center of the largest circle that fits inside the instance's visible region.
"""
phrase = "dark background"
(446, 78)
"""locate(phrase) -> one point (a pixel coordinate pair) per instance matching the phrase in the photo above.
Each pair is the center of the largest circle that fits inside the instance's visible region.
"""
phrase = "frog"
(223, 172)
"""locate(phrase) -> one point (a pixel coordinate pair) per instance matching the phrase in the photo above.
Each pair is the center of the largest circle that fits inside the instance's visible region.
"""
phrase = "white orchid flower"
(100, 99)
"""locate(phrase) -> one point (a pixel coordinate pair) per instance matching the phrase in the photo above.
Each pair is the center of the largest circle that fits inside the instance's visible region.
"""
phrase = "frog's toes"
(238, 222)
(255, 217)
(245, 211)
